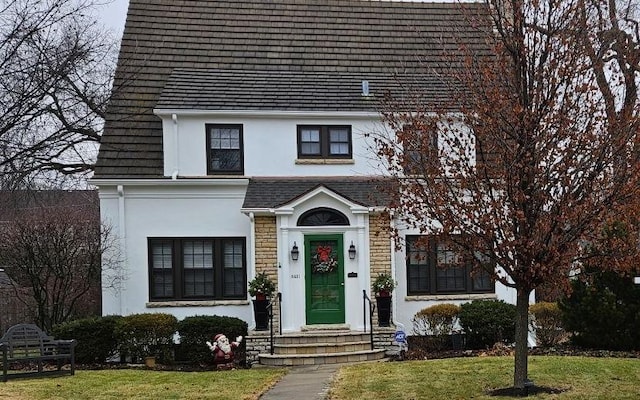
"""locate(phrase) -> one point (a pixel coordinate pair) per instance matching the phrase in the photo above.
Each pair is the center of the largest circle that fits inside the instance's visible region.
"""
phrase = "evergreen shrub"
(197, 330)
(96, 337)
(603, 313)
(486, 322)
(150, 334)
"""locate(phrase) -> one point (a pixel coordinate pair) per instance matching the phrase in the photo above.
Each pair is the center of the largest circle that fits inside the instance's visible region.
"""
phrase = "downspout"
(252, 243)
(122, 232)
(176, 146)
(394, 299)
(252, 255)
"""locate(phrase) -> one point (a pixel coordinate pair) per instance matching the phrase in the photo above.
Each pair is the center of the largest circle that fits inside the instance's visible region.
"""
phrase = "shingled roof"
(189, 89)
(234, 49)
(273, 192)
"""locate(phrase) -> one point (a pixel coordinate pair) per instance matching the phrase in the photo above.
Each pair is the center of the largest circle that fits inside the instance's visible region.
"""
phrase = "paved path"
(308, 383)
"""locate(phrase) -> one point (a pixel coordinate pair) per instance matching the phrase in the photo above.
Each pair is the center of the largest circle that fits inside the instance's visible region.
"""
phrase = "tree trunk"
(520, 375)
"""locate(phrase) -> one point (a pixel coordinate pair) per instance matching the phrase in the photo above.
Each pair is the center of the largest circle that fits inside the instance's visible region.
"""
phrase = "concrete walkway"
(309, 383)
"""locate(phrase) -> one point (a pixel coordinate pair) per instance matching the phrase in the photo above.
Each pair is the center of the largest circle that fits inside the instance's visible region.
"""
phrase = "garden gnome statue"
(222, 350)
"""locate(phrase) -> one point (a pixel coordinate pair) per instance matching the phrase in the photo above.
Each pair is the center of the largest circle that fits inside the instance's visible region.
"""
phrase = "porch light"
(294, 252)
(352, 251)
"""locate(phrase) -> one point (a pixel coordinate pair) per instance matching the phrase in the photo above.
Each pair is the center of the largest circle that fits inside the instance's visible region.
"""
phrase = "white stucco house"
(239, 132)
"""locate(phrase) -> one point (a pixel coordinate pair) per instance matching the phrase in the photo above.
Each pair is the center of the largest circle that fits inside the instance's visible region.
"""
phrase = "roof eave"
(168, 112)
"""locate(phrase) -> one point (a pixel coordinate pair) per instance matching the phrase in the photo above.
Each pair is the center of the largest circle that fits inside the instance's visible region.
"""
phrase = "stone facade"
(267, 254)
(380, 250)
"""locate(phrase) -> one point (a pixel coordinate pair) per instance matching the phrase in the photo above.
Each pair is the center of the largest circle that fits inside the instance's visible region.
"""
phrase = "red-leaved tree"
(532, 162)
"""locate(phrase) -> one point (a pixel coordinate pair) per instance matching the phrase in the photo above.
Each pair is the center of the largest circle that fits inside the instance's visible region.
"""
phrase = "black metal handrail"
(372, 308)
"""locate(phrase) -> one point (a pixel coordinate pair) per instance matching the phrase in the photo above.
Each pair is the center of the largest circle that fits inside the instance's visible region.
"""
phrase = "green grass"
(471, 378)
(138, 384)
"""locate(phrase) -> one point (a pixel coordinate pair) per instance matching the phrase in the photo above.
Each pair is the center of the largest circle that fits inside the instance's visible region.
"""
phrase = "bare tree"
(56, 69)
(58, 252)
(536, 151)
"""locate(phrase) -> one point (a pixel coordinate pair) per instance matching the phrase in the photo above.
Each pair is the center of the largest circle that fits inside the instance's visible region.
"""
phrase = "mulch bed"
(504, 350)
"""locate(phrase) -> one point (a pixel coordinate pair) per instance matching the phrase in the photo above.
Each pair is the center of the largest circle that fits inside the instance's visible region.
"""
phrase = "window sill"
(324, 161)
(450, 297)
(196, 303)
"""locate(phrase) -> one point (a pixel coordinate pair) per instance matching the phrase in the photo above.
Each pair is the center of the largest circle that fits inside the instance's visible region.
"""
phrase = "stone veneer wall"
(380, 250)
(267, 255)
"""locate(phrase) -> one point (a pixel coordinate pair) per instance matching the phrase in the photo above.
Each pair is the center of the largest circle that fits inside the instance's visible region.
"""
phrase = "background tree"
(59, 252)
(534, 152)
(56, 68)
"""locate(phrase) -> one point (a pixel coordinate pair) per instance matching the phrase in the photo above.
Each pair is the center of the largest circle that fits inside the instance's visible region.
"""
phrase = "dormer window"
(224, 149)
(324, 141)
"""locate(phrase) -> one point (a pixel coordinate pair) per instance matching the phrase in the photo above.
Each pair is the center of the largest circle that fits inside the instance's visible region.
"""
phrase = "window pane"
(226, 160)
(234, 283)
(198, 282)
(338, 141)
(198, 268)
(339, 148)
(162, 285)
(418, 277)
(226, 149)
(161, 270)
(310, 148)
(310, 135)
(162, 255)
(451, 279)
(225, 138)
(338, 135)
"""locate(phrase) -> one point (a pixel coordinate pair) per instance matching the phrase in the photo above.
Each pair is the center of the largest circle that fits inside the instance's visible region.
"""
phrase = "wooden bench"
(27, 344)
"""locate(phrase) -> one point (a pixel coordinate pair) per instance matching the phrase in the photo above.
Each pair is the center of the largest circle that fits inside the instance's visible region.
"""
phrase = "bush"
(143, 335)
(487, 322)
(96, 337)
(604, 313)
(436, 320)
(196, 331)
(546, 320)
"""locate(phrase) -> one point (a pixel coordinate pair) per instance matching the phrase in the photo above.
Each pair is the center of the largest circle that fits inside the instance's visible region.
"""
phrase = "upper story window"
(420, 149)
(224, 149)
(324, 141)
(197, 269)
(435, 265)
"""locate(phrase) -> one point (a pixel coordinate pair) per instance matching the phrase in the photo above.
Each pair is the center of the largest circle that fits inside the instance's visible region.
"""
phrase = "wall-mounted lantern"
(352, 251)
(295, 253)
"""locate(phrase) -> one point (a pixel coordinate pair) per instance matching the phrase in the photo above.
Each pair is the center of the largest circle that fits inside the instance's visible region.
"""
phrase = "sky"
(113, 15)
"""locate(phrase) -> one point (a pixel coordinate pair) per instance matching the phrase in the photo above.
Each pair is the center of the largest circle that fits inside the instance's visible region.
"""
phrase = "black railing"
(372, 307)
(270, 311)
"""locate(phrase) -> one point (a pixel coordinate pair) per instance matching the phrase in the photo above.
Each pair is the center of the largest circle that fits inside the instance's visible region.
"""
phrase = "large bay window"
(197, 268)
(436, 266)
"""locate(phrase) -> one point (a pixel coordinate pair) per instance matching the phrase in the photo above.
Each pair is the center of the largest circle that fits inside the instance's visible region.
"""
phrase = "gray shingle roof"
(275, 192)
(341, 39)
(216, 89)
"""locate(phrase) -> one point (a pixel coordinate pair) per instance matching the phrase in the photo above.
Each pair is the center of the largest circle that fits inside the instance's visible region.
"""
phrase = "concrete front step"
(321, 358)
(320, 348)
(322, 337)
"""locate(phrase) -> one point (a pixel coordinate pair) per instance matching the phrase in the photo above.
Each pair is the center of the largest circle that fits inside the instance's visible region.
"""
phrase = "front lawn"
(471, 378)
(245, 384)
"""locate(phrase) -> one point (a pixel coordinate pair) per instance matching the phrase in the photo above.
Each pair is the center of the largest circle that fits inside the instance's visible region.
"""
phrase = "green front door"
(324, 266)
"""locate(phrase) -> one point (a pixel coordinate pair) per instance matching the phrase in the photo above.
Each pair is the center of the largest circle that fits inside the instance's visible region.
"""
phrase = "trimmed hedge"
(196, 331)
(487, 322)
(97, 340)
(142, 335)
(546, 320)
